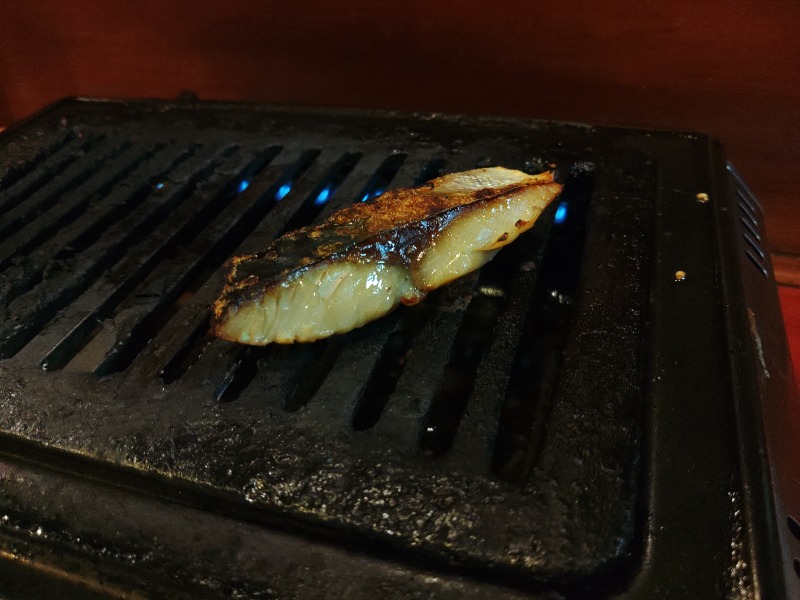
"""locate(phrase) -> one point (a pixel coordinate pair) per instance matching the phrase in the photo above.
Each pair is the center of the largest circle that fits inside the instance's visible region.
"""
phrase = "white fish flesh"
(363, 261)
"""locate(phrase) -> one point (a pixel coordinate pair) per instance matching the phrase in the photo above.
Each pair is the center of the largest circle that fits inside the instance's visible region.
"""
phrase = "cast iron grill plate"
(496, 427)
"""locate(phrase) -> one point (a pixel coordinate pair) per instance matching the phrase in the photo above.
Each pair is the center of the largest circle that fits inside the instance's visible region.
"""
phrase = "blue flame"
(159, 186)
(323, 196)
(561, 214)
(283, 190)
(243, 185)
(372, 194)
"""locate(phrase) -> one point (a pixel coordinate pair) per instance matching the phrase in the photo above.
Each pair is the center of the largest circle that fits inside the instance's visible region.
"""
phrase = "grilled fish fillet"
(363, 261)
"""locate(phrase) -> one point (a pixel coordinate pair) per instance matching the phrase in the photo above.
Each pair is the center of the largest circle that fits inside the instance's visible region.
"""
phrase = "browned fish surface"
(362, 261)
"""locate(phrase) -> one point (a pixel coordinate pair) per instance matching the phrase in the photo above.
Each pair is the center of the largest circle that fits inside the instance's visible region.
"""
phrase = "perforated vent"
(750, 220)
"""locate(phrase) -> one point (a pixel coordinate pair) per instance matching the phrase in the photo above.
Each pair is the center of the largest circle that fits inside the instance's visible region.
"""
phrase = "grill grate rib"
(477, 431)
(32, 311)
(80, 235)
(195, 315)
(73, 205)
(28, 177)
(13, 172)
(319, 176)
(94, 154)
(389, 365)
(533, 379)
(402, 417)
(474, 335)
(350, 407)
(187, 353)
(168, 279)
(242, 365)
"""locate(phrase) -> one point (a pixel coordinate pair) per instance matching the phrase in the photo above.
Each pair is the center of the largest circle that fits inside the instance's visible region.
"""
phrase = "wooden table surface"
(731, 69)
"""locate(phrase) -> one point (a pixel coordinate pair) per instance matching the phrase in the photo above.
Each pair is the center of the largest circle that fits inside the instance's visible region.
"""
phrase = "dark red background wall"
(729, 68)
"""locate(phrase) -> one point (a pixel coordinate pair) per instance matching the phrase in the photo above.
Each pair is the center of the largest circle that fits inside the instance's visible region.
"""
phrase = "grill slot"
(313, 367)
(78, 236)
(74, 204)
(383, 176)
(16, 171)
(338, 395)
(377, 168)
(414, 171)
(95, 153)
(29, 176)
(747, 209)
(794, 527)
(744, 192)
(141, 181)
(758, 263)
(297, 370)
(240, 374)
(191, 264)
(413, 394)
(352, 391)
(433, 169)
(294, 373)
(458, 379)
(390, 364)
(533, 378)
(187, 353)
(754, 245)
(242, 365)
(78, 273)
(477, 431)
(306, 189)
(323, 192)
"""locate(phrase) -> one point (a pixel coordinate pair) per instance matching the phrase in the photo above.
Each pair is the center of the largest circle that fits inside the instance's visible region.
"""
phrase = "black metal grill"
(493, 431)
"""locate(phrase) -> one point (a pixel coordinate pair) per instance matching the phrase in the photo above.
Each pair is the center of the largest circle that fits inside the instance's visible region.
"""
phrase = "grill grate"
(428, 431)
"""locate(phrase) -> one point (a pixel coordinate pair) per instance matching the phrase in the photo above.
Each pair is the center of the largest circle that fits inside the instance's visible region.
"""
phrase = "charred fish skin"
(364, 260)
